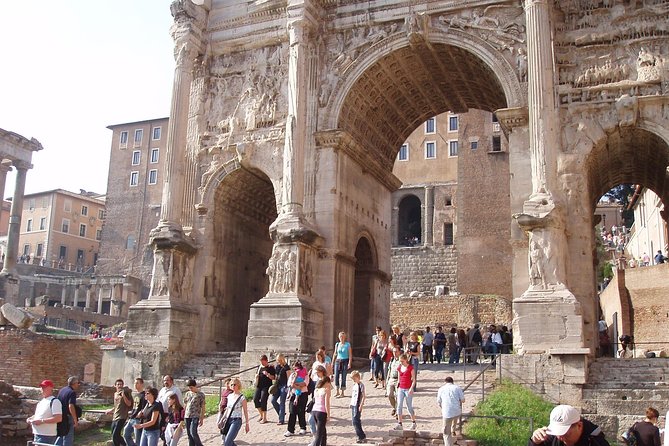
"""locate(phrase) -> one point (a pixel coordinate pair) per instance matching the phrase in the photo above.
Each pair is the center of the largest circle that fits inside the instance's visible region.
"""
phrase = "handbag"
(224, 422)
(310, 406)
(274, 388)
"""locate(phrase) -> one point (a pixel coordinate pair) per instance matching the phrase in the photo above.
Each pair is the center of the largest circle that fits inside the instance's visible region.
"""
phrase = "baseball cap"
(562, 417)
(46, 383)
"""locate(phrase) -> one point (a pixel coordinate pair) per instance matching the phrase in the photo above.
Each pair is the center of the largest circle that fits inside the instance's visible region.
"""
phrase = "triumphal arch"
(286, 119)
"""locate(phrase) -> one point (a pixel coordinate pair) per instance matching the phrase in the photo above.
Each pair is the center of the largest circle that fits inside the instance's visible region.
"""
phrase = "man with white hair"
(567, 428)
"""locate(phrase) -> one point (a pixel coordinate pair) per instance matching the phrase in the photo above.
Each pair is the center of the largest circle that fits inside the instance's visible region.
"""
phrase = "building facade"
(62, 229)
(134, 191)
(648, 234)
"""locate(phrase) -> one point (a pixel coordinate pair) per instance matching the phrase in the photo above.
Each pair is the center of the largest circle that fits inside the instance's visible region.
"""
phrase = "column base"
(546, 320)
(160, 337)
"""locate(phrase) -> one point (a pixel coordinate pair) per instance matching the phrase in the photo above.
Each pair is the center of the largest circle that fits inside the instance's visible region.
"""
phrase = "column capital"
(21, 165)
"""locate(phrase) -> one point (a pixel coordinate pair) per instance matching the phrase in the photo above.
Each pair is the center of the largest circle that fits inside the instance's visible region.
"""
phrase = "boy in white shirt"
(357, 401)
(48, 413)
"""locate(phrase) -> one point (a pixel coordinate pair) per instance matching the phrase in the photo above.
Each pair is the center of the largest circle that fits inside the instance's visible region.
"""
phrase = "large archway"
(244, 208)
(363, 324)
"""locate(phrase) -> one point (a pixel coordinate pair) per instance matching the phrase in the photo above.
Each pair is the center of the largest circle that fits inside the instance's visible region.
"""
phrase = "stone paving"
(376, 415)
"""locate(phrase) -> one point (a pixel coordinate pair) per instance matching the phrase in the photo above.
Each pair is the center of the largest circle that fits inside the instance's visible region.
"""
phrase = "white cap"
(562, 417)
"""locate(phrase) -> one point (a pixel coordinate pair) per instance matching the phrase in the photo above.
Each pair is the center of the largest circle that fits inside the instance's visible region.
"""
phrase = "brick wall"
(461, 311)
(422, 268)
(28, 358)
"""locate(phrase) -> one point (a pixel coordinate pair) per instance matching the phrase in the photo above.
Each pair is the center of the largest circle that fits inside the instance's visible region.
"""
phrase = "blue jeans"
(235, 426)
(403, 394)
(341, 367)
(128, 431)
(150, 437)
(414, 363)
(439, 353)
(357, 424)
(67, 440)
(279, 403)
(321, 435)
(117, 432)
(191, 430)
(46, 439)
(312, 423)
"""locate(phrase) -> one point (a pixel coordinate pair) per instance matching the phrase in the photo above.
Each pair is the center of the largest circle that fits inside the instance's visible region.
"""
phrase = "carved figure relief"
(161, 273)
(306, 273)
(282, 270)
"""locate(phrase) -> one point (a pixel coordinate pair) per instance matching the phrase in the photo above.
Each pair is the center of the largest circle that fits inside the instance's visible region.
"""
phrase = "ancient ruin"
(286, 120)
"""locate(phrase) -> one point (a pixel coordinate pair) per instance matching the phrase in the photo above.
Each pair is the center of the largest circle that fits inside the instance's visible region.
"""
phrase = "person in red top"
(405, 388)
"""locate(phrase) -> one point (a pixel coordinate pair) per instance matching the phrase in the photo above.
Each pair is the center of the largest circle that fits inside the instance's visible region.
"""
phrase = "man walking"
(168, 389)
(47, 414)
(567, 428)
(139, 401)
(428, 340)
(68, 399)
(450, 399)
(122, 406)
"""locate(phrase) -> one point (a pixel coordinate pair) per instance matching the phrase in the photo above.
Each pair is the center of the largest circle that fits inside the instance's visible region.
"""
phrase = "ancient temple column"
(75, 302)
(428, 239)
(89, 296)
(3, 179)
(100, 289)
(15, 218)
(63, 295)
(112, 305)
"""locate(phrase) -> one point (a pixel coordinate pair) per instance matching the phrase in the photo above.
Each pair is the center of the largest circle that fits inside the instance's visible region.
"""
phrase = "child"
(357, 401)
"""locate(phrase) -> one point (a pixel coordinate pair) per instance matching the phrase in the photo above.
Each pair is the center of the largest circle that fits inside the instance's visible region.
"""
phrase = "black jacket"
(592, 436)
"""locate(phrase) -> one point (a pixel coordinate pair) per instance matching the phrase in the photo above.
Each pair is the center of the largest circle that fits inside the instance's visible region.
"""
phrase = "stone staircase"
(204, 367)
(619, 391)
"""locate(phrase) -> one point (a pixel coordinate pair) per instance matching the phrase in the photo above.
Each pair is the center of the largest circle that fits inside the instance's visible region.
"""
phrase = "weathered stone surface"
(16, 316)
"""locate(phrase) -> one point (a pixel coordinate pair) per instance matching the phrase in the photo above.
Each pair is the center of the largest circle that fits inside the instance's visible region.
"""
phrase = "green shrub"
(211, 404)
(510, 400)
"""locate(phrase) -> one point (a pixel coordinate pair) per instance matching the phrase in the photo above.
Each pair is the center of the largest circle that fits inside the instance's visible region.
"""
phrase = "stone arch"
(409, 221)
(477, 47)
(243, 205)
(366, 267)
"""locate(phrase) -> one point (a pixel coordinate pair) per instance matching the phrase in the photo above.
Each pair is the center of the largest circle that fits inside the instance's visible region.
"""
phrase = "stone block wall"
(448, 311)
(422, 268)
(28, 358)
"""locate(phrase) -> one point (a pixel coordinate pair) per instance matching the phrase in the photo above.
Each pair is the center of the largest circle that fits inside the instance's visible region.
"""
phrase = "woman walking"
(175, 420)
(321, 410)
(194, 417)
(378, 354)
(279, 398)
(412, 350)
(264, 378)
(405, 388)
(343, 359)
(153, 413)
(297, 402)
(236, 409)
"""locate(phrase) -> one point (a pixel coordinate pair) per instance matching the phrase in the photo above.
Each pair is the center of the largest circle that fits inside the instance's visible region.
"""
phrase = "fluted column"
(89, 296)
(543, 117)
(75, 302)
(15, 217)
(63, 295)
(99, 288)
(3, 179)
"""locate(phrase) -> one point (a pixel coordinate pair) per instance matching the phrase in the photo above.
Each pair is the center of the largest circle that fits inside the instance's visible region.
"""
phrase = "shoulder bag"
(224, 422)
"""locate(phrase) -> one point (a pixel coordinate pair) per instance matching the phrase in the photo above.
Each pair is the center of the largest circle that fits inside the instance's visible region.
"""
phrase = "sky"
(69, 69)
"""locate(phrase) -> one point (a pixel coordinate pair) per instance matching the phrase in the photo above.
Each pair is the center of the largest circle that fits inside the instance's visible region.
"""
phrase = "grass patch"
(86, 407)
(510, 400)
(95, 436)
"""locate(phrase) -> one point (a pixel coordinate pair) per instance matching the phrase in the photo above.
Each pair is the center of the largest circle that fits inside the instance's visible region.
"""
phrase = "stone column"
(3, 179)
(100, 289)
(112, 305)
(428, 240)
(89, 296)
(15, 218)
(63, 295)
(75, 302)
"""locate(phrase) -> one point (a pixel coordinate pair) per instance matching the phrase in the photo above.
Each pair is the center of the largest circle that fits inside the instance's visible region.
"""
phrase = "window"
(123, 139)
(496, 144)
(494, 118)
(430, 150)
(98, 234)
(101, 214)
(67, 207)
(452, 123)
(29, 225)
(134, 178)
(26, 249)
(40, 249)
(138, 136)
(42, 223)
(409, 221)
(31, 204)
(84, 210)
(65, 226)
(156, 133)
(45, 202)
(136, 157)
(449, 201)
(154, 155)
(404, 152)
(82, 230)
(448, 234)
(474, 145)
(430, 125)
(62, 252)
(153, 176)
(452, 148)
(80, 256)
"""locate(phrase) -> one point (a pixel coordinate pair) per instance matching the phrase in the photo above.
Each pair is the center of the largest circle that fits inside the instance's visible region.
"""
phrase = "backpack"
(631, 436)
(63, 426)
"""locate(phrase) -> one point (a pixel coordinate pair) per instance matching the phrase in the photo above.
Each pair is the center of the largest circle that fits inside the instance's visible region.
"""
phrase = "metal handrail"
(223, 378)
